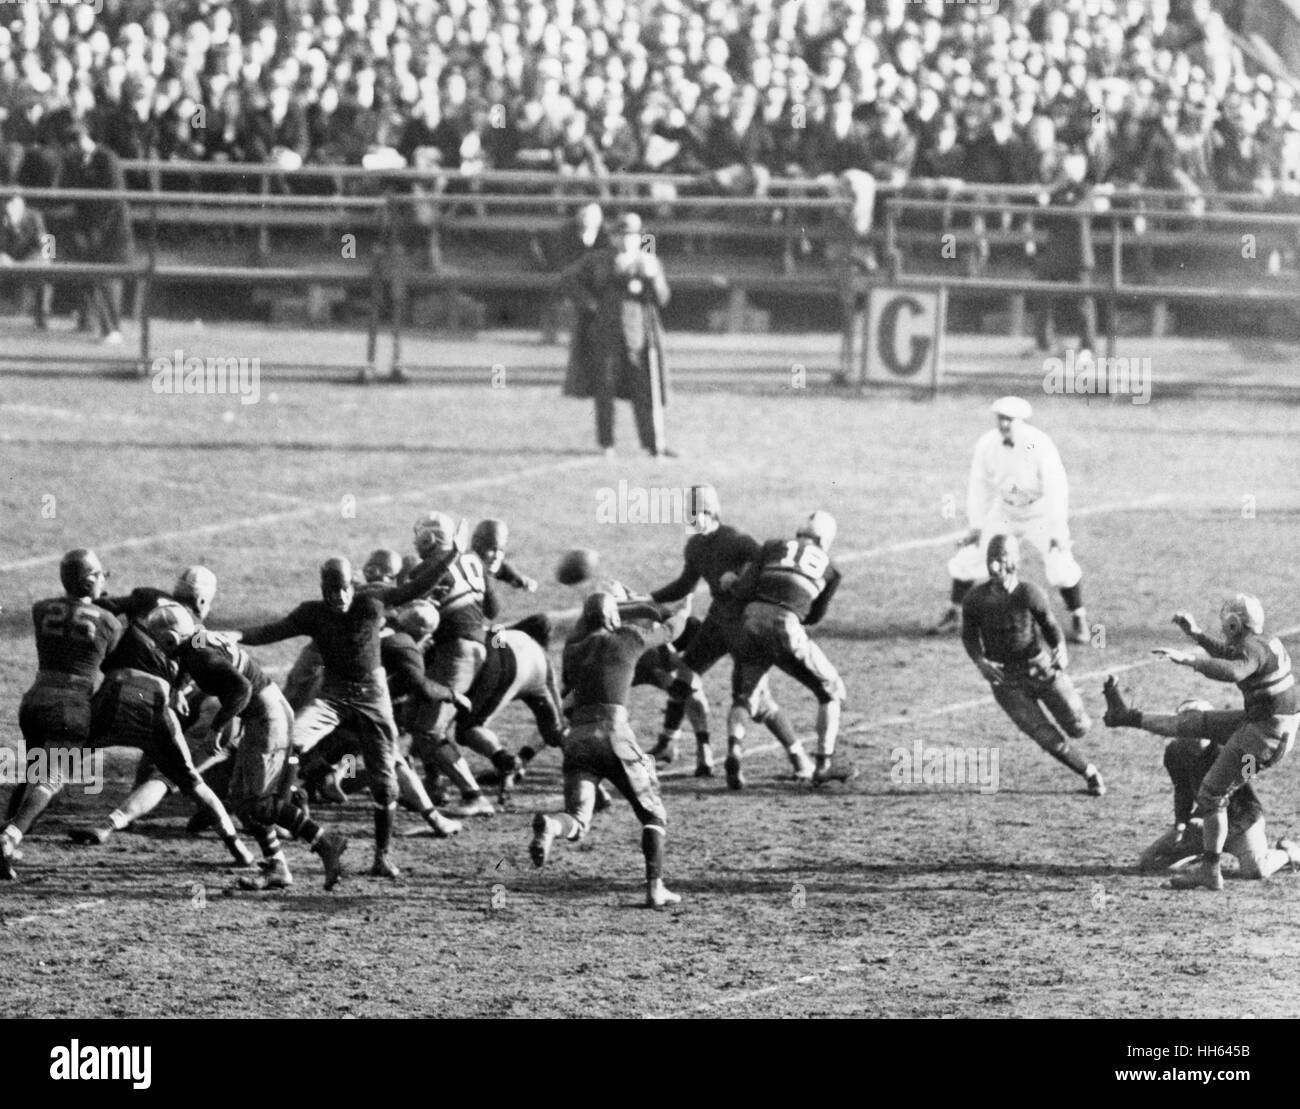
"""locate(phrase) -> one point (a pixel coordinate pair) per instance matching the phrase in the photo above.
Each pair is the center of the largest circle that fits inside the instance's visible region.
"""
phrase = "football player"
(1017, 487)
(1260, 736)
(137, 707)
(786, 590)
(715, 550)
(458, 650)
(345, 625)
(73, 637)
(1189, 756)
(489, 543)
(599, 659)
(401, 650)
(1012, 638)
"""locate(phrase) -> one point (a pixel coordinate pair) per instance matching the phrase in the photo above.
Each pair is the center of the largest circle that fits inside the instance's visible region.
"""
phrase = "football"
(576, 566)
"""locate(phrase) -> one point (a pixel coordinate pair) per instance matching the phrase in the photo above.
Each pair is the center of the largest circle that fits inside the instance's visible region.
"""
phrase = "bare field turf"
(873, 898)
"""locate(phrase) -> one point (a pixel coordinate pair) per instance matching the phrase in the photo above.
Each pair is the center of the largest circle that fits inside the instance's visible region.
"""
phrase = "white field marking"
(743, 996)
(75, 907)
(954, 536)
(309, 510)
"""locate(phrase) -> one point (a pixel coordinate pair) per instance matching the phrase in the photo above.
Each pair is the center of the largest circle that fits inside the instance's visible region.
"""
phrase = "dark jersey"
(348, 641)
(137, 604)
(1188, 761)
(404, 665)
(1008, 628)
(215, 673)
(136, 651)
(1261, 669)
(793, 573)
(598, 669)
(73, 637)
(723, 550)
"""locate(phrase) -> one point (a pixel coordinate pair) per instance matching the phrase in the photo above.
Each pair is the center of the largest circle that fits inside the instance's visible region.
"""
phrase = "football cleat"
(475, 806)
(828, 771)
(539, 848)
(383, 867)
(1292, 850)
(240, 853)
(1118, 713)
(659, 896)
(1096, 787)
(1079, 630)
(703, 760)
(7, 853)
(803, 767)
(90, 837)
(330, 848)
(442, 827)
(1203, 875)
(735, 776)
(665, 751)
(274, 875)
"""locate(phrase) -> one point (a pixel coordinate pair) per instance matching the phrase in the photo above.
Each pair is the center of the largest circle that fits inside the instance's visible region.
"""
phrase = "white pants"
(1063, 572)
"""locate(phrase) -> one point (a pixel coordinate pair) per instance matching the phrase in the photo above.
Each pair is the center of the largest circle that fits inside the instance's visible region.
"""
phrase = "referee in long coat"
(617, 349)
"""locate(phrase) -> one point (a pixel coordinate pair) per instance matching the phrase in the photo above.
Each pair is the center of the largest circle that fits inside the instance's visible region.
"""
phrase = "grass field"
(873, 898)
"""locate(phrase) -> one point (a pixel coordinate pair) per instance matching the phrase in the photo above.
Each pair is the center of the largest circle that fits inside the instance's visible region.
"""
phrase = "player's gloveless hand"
(1187, 622)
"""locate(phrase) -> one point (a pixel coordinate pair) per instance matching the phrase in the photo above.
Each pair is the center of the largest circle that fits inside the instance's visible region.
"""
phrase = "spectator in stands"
(23, 239)
(103, 226)
(1067, 256)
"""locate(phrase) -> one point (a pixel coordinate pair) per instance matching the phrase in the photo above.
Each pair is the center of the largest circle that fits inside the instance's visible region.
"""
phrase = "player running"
(1014, 641)
(1017, 487)
(1260, 735)
(73, 637)
(786, 590)
(716, 550)
(599, 659)
(1189, 756)
(345, 626)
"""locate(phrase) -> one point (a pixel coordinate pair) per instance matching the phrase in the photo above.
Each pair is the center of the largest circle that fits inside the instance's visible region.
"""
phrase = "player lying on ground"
(1199, 735)
(73, 637)
(1264, 732)
(599, 659)
(716, 550)
(785, 590)
(345, 625)
(1012, 638)
(1018, 487)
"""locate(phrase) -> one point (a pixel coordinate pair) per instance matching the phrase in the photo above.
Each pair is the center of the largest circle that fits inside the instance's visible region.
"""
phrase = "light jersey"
(1024, 479)
(792, 573)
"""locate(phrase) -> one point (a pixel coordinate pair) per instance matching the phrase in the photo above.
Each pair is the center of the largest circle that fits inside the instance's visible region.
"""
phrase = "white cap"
(822, 527)
(197, 583)
(1015, 408)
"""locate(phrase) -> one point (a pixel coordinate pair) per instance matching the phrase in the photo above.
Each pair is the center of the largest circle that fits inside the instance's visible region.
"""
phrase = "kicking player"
(1014, 641)
(345, 626)
(1017, 487)
(489, 543)
(73, 637)
(1201, 733)
(784, 591)
(716, 550)
(1260, 736)
(599, 659)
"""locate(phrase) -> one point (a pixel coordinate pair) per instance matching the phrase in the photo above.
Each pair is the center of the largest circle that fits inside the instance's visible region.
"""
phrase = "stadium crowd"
(735, 92)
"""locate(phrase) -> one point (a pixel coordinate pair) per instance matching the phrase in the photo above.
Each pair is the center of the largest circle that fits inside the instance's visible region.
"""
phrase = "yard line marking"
(954, 536)
(309, 510)
(749, 995)
(55, 912)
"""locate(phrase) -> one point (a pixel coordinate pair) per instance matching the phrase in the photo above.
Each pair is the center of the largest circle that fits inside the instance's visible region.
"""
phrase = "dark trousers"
(647, 404)
(1077, 315)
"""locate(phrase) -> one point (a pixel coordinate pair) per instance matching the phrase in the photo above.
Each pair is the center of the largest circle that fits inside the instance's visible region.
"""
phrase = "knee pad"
(1207, 803)
(1063, 571)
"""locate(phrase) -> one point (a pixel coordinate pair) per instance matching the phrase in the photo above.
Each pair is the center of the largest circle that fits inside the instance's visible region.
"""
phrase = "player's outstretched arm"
(420, 582)
(288, 628)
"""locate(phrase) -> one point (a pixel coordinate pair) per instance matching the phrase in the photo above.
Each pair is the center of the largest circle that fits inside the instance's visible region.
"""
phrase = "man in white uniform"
(1017, 487)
